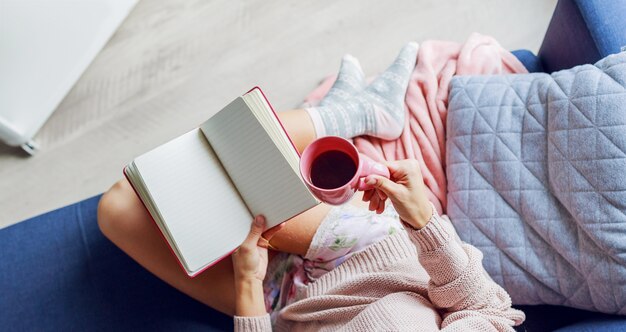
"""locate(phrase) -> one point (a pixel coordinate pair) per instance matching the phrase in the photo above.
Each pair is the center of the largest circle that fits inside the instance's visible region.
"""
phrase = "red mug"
(334, 170)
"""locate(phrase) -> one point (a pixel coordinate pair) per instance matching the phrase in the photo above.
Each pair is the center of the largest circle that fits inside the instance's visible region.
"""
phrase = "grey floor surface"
(172, 64)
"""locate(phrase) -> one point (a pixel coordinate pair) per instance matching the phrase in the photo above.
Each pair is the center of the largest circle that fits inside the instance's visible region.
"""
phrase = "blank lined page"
(200, 208)
(264, 178)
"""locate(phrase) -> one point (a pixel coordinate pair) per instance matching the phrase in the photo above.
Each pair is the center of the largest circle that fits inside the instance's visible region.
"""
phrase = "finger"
(394, 166)
(268, 234)
(381, 207)
(263, 243)
(381, 194)
(373, 203)
(255, 230)
(389, 187)
(408, 167)
(367, 195)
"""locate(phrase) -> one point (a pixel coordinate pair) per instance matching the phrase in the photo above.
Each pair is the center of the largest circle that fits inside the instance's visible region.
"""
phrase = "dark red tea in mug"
(332, 169)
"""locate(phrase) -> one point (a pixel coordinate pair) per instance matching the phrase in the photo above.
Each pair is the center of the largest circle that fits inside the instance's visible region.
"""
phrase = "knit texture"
(252, 323)
(377, 111)
(350, 81)
(418, 280)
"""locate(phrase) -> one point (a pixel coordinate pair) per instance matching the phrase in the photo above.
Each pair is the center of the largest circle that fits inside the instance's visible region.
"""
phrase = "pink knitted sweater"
(418, 280)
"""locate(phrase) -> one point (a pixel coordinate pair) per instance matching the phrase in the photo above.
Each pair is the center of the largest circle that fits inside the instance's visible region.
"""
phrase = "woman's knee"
(119, 211)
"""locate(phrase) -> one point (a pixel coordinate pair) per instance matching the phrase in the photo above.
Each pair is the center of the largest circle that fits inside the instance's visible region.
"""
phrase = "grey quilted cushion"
(536, 168)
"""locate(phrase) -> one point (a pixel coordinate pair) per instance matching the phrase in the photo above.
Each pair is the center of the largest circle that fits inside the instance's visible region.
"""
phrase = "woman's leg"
(299, 126)
(123, 219)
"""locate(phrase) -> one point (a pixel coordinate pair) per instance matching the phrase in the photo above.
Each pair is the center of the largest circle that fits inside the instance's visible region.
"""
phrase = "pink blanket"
(424, 134)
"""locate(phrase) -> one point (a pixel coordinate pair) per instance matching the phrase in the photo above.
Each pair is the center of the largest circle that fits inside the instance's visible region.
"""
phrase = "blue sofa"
(58, 272)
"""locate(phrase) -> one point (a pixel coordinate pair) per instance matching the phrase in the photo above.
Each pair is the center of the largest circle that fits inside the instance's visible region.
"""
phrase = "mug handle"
(370, 167)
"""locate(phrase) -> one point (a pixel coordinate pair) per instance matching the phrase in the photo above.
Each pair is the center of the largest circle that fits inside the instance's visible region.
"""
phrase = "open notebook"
(204, 188)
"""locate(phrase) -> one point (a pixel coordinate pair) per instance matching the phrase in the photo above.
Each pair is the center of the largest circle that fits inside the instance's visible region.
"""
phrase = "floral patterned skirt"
(345, 231)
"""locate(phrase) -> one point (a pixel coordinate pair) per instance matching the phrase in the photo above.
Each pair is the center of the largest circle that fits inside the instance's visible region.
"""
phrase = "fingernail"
(258, 220)
(370, 181)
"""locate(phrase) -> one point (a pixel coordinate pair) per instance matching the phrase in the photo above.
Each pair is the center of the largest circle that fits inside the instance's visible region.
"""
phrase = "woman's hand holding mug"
(406, 191)
(334, 170)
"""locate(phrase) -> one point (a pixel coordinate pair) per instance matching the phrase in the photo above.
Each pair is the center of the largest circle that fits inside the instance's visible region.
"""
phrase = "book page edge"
(129, 173)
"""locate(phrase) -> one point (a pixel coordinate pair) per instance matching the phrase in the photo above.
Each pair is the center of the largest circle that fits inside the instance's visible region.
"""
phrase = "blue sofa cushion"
(529, 60)
(606, 22)
(583, 31)
(58, 272)
(610, 324)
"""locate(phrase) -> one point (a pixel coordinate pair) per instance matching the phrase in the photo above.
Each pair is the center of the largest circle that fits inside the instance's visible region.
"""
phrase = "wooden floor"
(172, 64)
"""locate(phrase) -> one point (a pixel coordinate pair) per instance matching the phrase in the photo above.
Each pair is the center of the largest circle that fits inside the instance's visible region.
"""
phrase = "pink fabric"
(423, 137)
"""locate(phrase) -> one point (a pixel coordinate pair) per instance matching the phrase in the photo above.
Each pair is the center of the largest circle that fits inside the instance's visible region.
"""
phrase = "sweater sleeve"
(459, 285)
(260, 323)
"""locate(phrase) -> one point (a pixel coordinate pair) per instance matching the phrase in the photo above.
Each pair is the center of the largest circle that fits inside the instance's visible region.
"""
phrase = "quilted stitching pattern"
(536, 168)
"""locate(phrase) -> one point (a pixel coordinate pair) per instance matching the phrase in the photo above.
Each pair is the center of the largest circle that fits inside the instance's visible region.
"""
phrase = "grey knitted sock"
(378, 110)
(350, 81)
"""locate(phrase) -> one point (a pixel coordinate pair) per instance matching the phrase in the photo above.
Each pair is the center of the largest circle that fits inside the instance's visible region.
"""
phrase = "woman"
(366, 265)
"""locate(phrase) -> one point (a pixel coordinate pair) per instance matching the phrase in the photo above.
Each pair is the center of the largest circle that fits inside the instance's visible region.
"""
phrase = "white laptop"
(45, 45)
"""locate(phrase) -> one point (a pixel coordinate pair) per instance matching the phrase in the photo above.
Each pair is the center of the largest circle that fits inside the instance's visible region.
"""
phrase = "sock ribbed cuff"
(318, 124)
